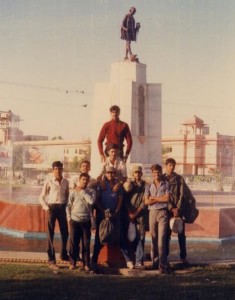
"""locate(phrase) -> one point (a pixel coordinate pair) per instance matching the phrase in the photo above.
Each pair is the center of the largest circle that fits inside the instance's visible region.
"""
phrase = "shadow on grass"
(39, 282)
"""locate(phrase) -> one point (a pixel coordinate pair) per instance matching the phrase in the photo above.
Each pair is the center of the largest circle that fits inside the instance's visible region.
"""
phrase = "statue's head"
(132, 10)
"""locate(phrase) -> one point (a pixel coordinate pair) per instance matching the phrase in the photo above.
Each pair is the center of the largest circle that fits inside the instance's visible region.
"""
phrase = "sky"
(54, 52)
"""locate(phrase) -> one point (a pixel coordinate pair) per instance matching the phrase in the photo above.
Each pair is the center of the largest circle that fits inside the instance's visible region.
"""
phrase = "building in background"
(36, 157)
(31, 156)
(9, 128)
(9, 133)
(199, 153)
(33, 137)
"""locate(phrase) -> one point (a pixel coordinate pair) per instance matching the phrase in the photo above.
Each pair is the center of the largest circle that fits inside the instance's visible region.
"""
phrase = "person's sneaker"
(130, 265)
(64, 258)
(79, 262)
(140, 267)
(87, 268)
(167, 270)
(53, 266)
(93, 268)
(153, 266)
(161, 271)
(185, 262)
(72, 267)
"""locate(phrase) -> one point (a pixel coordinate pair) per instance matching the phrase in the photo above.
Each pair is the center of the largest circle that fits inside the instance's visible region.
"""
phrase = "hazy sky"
(53, 50)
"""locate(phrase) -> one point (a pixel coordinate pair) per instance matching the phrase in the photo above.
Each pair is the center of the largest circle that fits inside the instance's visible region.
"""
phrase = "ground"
(31, 281)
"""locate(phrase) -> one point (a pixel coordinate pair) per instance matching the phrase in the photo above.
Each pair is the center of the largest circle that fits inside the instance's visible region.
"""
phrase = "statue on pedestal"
(129, 32)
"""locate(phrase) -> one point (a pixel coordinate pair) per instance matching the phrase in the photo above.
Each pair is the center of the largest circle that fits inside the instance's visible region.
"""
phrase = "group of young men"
(114, 196)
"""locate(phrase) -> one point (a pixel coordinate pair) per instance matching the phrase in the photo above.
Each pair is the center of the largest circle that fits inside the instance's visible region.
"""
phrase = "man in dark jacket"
(175, 203)
(137, 213)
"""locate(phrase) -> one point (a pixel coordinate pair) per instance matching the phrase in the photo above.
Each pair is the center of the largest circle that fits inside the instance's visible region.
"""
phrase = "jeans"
(181, 242)
(139, 253)
(128, 248)
(158, 224)
(57, 212)
(78, 231)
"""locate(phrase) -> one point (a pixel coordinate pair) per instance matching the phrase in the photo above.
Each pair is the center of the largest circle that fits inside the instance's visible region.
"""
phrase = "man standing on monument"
(54, 198)
(129, 31)
(113, 160)
(115, 132)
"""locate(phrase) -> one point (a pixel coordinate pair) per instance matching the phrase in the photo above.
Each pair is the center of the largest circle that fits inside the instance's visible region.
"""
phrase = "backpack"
(188, 206)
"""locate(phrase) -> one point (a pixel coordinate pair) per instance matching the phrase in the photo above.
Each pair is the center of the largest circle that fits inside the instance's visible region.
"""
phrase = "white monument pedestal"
(140, 104)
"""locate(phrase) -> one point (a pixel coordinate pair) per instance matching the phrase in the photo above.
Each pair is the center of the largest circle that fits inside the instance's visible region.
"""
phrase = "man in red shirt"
(115, 132)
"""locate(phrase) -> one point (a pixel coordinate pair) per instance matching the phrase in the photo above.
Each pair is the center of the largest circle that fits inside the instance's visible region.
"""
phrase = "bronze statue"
(129, 32)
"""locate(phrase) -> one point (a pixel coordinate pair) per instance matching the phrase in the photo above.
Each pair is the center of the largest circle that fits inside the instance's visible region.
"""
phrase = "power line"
(48, 101)
(194, 104)
(66, 91)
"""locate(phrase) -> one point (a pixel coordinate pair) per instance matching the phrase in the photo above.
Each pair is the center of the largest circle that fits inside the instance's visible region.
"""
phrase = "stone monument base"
(112, 257)
(22, 220)
(215, 222)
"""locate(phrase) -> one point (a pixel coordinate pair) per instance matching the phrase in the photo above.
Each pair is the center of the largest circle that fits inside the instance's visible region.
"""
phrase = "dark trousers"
(181, 241)
(57, 212)
(80, 231)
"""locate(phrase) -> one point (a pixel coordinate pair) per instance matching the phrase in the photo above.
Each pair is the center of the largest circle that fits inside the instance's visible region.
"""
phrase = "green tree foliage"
(57, 138)
(73, 166)
(17, 162)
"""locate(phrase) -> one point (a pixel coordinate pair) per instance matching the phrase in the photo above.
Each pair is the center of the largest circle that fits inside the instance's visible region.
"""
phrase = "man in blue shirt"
(108, 199)
(156, 197)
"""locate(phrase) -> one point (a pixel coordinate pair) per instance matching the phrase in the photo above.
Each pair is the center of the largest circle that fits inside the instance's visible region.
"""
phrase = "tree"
(17, 159)
(73, 166)
(57, 138)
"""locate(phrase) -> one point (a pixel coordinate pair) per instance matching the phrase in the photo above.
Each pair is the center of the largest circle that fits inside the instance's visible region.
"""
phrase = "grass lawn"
(28, 281)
